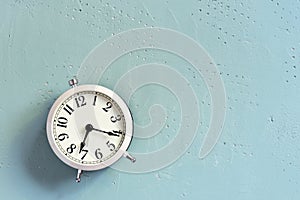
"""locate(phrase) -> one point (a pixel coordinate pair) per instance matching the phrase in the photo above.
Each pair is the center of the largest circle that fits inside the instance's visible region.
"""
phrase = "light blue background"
(256, 46)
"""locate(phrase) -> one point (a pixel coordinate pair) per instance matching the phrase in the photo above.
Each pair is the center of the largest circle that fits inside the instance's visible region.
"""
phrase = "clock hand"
(88, 128)
(110, 133)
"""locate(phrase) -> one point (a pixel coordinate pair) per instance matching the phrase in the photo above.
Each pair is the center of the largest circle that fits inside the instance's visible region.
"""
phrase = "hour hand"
(82, 144)
(88, 128)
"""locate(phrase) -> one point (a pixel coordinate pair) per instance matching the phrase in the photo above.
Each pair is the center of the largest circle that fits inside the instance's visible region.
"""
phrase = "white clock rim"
(128, 121)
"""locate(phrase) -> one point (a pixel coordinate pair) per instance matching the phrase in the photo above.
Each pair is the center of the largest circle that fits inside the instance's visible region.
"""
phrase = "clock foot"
(79, 172)
(130, 157)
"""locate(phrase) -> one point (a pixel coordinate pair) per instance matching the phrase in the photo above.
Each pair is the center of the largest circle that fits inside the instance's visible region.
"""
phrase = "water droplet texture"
(255, 46)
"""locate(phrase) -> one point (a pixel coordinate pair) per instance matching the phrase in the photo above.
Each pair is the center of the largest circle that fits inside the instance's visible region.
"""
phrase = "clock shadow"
(40, 164)
(39, 160)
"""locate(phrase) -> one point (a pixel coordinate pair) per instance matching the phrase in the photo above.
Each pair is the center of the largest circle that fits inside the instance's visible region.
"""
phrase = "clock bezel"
(128, 123)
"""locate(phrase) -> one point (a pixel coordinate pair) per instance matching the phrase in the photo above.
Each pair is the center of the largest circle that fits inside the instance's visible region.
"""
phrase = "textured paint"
(256, 46)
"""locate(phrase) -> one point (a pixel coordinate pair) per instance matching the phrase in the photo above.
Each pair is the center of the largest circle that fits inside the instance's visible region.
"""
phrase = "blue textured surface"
(256, 45)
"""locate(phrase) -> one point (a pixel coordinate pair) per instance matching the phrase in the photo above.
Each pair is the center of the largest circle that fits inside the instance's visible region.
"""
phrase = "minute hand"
(110, 133)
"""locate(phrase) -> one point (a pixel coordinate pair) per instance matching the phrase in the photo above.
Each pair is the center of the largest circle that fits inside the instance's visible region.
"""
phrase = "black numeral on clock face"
(84, 153)
(68, 109)
(110, 145)
(98, 153)
(71, 148)
(62, 122)
(108, 106)
(80, 101)
(114, 119)
(62, 137)
(95, 99)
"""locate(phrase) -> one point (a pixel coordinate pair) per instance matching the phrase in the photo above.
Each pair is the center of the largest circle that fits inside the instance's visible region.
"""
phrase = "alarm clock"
(89, 127)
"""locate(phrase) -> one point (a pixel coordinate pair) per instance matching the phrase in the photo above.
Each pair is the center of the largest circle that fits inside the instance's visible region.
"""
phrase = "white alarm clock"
(89, 127)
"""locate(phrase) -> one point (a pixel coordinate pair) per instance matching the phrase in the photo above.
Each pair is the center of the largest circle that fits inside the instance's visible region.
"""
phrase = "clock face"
(89, 127)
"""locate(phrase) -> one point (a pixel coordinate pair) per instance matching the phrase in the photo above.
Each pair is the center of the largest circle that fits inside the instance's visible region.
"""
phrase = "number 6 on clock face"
(89, 127)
